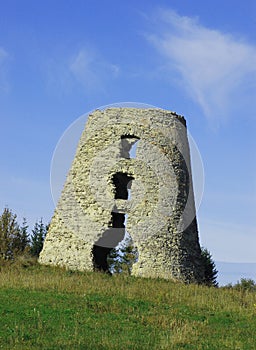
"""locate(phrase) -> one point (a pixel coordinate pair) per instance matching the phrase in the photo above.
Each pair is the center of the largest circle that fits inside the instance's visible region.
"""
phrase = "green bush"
(246, 284)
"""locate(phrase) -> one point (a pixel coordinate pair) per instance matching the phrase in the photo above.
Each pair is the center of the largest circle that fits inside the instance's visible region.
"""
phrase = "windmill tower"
(111, 190)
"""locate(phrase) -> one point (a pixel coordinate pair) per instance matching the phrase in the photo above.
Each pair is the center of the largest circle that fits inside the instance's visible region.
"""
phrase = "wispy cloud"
(84, 69)
(90, 70)
(4, 86)
(213, 67)
(3, 55)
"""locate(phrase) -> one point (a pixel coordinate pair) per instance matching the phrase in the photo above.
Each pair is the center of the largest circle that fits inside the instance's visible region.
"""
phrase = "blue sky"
(61, 59)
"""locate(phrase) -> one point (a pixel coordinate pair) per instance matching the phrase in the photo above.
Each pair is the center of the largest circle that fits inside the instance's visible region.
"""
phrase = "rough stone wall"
(161, 212)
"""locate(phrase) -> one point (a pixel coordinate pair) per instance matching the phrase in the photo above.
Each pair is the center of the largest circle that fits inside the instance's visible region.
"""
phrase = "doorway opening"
(109, 240)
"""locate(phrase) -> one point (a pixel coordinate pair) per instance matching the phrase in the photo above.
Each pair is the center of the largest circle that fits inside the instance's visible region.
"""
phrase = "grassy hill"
(50, 308)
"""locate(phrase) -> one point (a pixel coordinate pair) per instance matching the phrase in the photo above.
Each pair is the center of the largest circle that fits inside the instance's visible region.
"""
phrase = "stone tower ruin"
(112, 189)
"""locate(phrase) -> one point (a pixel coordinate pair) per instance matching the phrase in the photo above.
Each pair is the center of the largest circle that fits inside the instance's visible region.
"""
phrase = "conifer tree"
(37, 238)
(210, 277)
(121, 259)
(24, 235)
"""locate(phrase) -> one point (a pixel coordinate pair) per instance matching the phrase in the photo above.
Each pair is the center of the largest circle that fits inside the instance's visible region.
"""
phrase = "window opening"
(122, 183)
(129, 145)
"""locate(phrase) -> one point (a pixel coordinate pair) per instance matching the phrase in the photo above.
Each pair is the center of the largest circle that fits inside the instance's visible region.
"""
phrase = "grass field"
(50, 308)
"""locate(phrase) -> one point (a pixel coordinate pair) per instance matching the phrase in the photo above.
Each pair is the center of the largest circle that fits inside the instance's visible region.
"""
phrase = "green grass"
(50, 308)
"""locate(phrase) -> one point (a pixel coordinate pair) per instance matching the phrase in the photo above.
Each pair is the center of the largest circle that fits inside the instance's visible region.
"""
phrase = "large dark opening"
(109, 240)
(115, 233)
(122, 183)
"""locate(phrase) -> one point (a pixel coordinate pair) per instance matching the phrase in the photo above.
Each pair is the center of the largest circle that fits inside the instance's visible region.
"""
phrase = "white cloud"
(90, 70)
(213, 67)
(83, 69)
